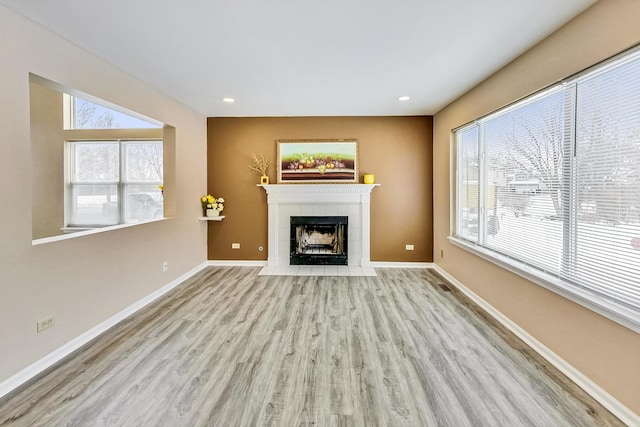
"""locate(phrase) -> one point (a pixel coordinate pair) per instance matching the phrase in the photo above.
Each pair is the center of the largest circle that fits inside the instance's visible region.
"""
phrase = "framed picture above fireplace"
(318, 161)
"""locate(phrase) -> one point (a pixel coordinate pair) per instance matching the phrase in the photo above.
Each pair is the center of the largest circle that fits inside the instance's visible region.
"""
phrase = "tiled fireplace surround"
(287, 200)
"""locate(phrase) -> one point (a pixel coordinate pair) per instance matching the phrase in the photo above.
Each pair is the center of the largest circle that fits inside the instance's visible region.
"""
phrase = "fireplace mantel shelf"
(317, 188)
(317, 193)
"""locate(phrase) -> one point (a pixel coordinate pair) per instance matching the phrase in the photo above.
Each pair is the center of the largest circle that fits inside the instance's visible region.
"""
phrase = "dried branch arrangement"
(259, 164)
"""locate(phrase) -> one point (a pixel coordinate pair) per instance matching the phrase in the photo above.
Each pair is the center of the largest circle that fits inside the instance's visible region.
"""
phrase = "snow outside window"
(556, 178)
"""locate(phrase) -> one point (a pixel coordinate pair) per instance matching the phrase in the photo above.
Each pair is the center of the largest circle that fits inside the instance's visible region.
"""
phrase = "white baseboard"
(260, 263)
(236, 263)
(616, 407)
(386, 264)
(60, 353)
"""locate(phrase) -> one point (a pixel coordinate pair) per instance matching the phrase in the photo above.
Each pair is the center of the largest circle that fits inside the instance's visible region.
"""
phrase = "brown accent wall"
(607, 353)
(398, 150)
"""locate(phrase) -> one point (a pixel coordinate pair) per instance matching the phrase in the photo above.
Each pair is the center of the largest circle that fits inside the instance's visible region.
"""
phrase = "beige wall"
(607, 353)
(85, 280)
(47, 159)
(397, 150)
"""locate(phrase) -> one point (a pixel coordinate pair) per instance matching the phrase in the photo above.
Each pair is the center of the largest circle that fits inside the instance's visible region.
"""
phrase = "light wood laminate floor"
(232, 348)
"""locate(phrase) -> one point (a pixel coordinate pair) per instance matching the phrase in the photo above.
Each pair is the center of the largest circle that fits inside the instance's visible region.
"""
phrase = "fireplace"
(288, 200)
(319, 240)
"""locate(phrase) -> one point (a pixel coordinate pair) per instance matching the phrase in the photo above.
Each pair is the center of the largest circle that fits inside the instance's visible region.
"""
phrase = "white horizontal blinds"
(142, 161)
(95, 173)
(523, 197)
(607, 228)
(468, 183)
(557, 180)
(142, 174)
(114, 182)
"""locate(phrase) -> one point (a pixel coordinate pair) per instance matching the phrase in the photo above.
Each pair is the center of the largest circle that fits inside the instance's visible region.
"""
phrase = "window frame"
(617, 311)
(121, 184)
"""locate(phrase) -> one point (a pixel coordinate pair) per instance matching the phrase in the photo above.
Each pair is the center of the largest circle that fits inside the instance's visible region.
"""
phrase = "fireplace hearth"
(319, 240)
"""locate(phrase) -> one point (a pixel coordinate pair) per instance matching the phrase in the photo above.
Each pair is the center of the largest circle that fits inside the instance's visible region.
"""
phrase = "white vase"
(212, 212)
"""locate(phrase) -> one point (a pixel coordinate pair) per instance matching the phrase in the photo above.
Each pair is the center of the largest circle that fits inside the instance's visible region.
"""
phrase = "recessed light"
(229, 100)
(404, 98)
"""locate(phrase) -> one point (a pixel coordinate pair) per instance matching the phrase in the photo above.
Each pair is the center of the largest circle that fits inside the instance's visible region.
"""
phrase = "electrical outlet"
(44, 324)
(165, 266)
(408, 247)
(235, 246)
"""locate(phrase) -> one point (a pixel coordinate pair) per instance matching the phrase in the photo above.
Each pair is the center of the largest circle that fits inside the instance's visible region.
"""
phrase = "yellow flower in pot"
(212, 206)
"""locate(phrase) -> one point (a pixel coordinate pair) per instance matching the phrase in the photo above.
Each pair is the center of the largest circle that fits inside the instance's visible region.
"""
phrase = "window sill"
(89, 231)
(69, 230)
(618, 313)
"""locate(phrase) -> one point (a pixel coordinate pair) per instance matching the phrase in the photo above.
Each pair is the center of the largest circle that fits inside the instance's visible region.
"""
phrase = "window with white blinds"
(468, 194)
(550, 188)
(113, 182)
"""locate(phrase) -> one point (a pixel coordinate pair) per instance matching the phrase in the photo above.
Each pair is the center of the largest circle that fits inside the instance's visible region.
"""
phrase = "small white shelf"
(211, 218)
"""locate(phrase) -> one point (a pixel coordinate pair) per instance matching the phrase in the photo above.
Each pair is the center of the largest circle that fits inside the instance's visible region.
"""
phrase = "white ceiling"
(304, 57)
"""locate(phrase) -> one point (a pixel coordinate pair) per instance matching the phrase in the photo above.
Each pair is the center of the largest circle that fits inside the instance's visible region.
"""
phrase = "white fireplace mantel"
(351, 200)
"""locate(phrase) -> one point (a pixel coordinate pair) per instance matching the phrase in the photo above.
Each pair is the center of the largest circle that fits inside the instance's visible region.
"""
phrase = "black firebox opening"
(319, 240)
